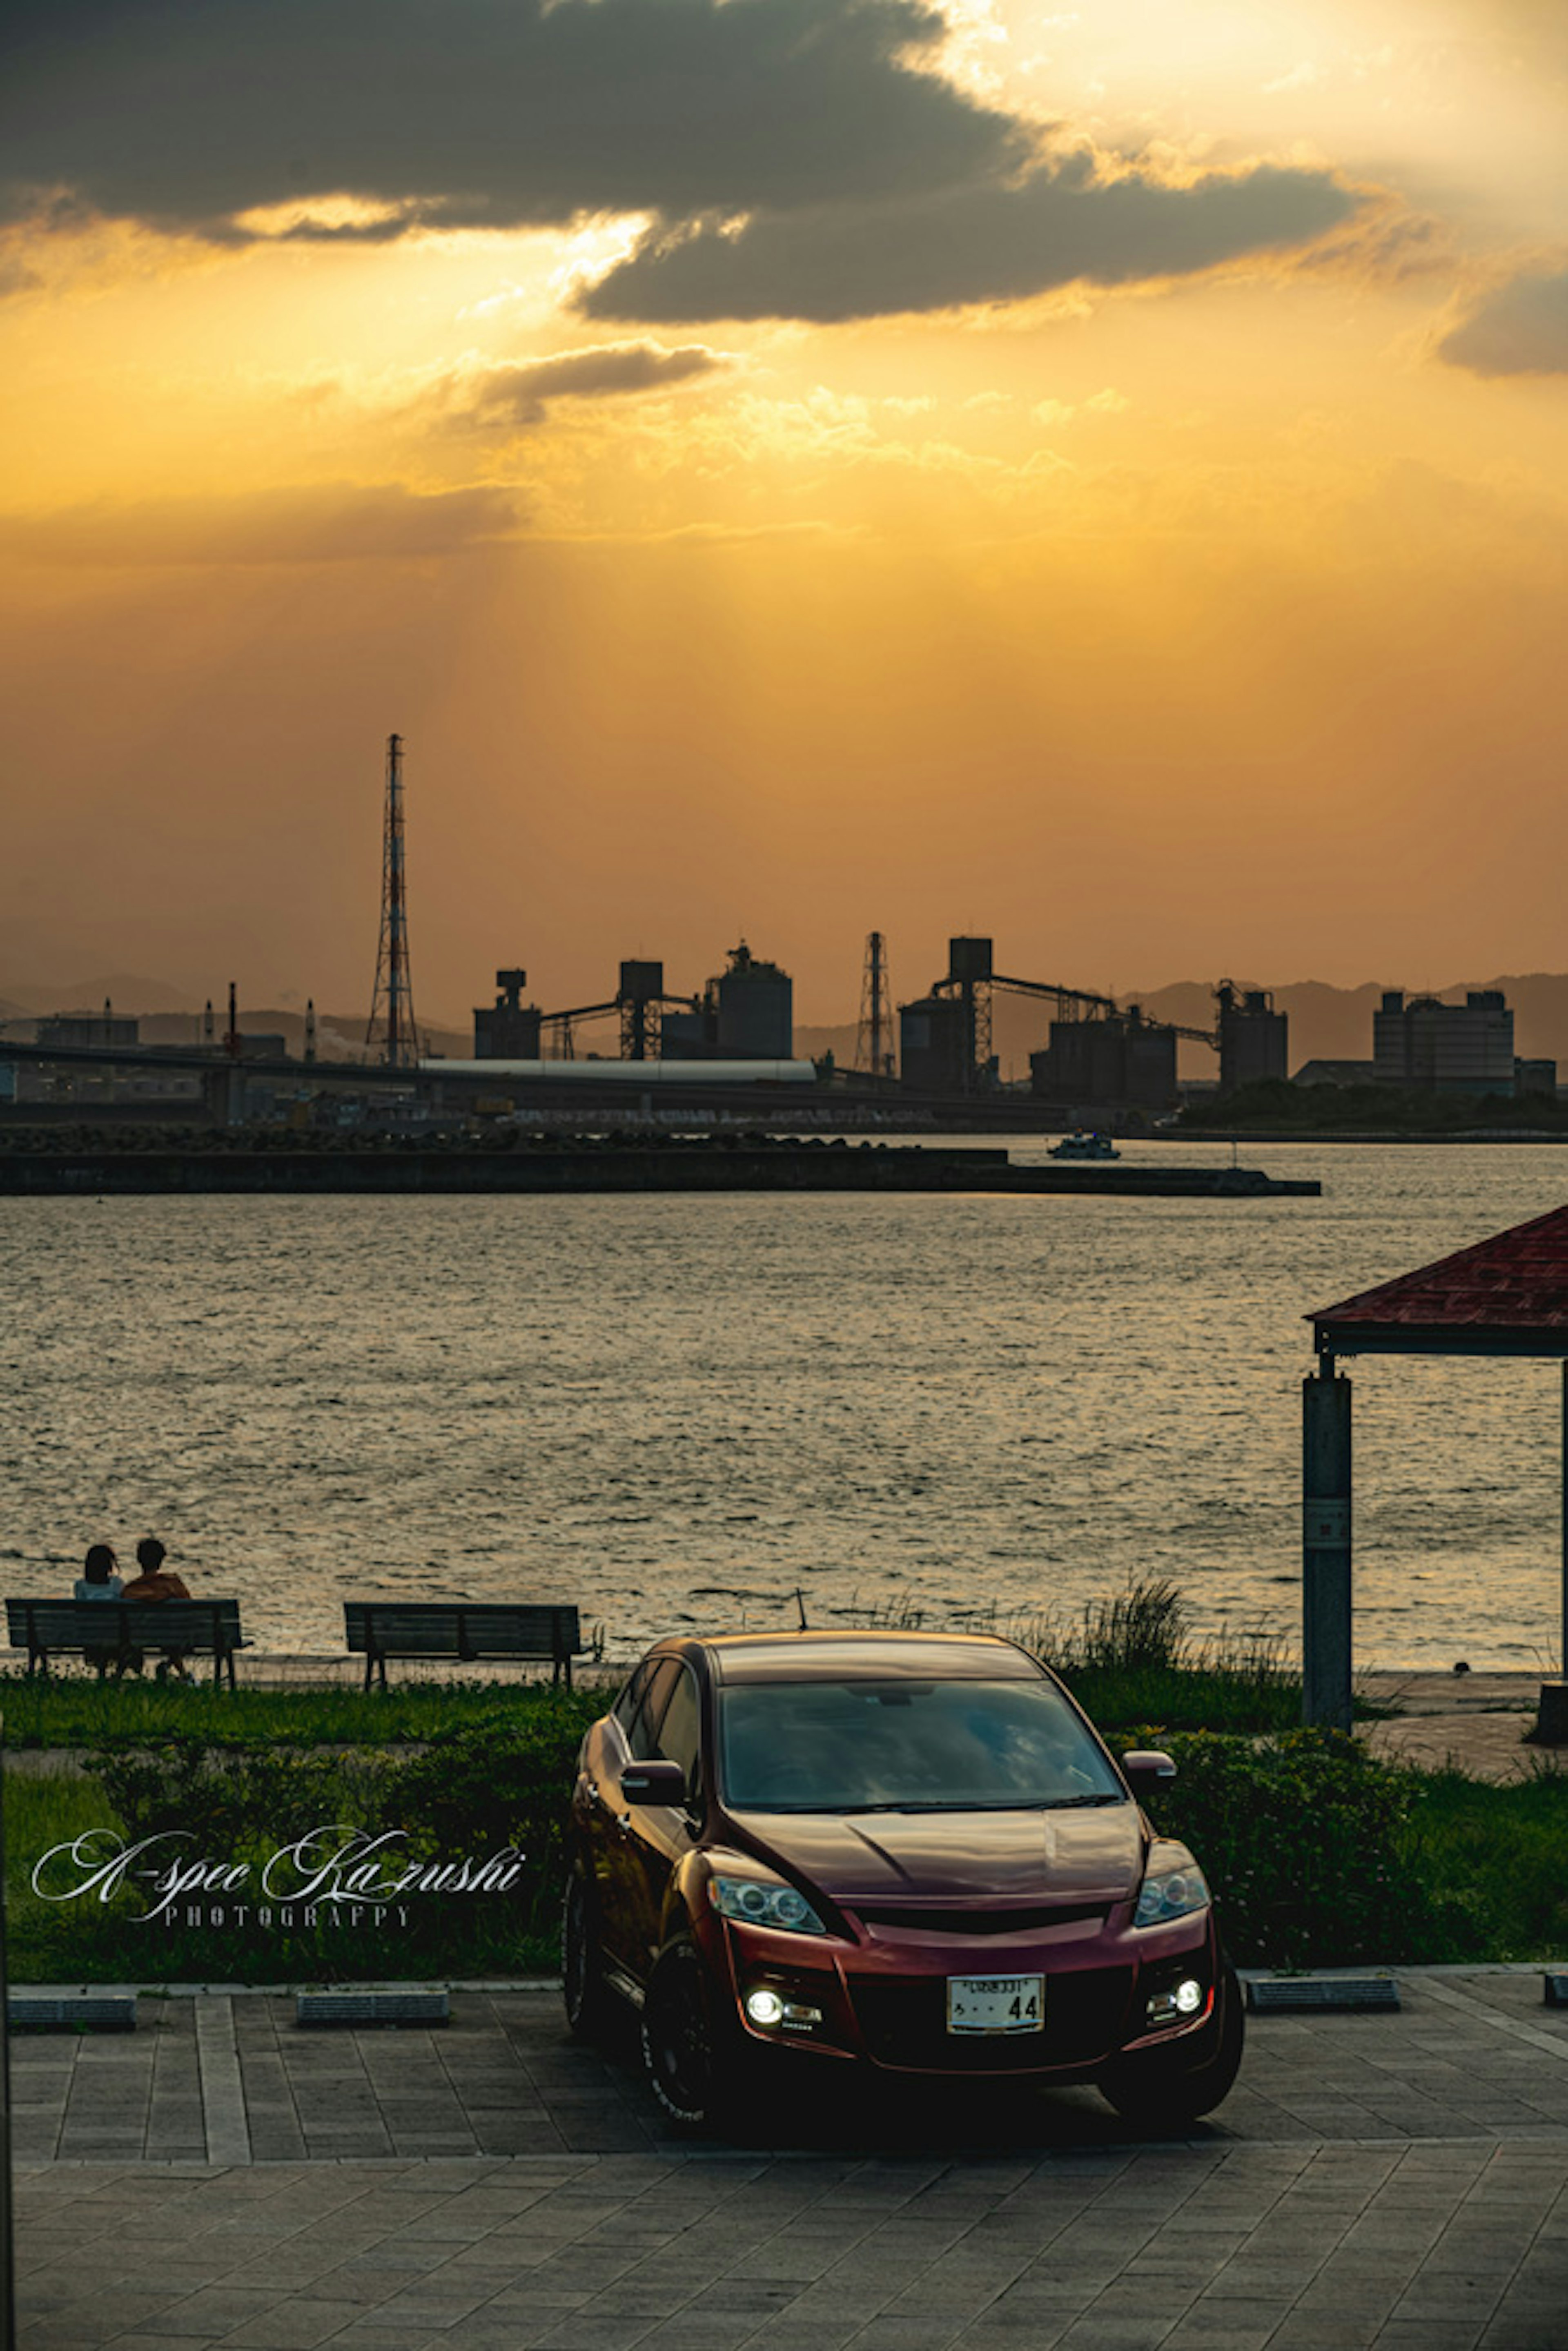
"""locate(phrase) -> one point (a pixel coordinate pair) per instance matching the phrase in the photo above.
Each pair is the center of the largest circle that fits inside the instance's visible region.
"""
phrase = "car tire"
(696, 2068)
(1162, 2089)
(586, 1994)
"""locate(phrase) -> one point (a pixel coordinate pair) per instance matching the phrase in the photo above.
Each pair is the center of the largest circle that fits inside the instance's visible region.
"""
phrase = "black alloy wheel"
(681, 2050)
(1164, 2088)
(586, 1993)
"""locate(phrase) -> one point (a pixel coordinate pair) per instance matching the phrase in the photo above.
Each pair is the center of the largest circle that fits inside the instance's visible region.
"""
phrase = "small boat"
(1081, 1144)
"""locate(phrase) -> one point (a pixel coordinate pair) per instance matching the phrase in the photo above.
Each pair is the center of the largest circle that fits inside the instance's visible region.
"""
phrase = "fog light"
(764, 2006)
(1177, 2003)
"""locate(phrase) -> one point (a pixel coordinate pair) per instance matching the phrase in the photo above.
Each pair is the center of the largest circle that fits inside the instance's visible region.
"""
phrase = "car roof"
(898, 1656)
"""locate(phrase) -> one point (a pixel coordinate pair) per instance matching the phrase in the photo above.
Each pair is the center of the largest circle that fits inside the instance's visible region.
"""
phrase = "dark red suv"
(903, 1850)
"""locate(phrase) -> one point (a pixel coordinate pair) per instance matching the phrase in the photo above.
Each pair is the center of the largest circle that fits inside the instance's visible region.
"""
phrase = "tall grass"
(1130, 1657)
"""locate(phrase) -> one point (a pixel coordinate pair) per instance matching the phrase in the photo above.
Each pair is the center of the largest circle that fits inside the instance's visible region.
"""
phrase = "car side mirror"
(1147, 1768)
(653, 1783)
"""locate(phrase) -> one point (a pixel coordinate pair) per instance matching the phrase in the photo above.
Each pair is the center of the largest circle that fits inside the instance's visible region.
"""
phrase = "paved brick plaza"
(222, 2177)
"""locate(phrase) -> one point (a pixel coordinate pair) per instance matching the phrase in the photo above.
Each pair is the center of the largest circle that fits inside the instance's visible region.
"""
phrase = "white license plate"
(996, 2003)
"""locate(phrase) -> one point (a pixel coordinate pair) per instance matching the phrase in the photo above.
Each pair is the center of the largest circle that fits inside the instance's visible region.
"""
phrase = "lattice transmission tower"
(874, 1050)
(394, 984)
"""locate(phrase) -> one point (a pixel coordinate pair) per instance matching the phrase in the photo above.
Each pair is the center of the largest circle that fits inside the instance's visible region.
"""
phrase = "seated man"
(157, 1583)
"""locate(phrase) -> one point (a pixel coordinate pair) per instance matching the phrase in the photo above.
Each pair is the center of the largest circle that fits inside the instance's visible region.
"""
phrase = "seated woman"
(99, 1580)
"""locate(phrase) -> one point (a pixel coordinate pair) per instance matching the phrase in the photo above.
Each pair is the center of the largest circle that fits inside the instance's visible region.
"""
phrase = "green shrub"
(505, 1782)
(500, 1780)
(225, 1796)
(1304, 1839)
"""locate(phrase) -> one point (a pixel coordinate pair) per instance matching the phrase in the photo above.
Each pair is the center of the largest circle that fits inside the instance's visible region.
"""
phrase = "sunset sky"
(1095, 474)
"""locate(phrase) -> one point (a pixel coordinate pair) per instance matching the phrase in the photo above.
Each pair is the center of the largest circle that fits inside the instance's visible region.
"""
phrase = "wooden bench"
(113, 1632)
(461, 1629)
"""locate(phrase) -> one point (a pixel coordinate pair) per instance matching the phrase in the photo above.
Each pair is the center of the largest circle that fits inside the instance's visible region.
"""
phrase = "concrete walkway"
(224, 2178)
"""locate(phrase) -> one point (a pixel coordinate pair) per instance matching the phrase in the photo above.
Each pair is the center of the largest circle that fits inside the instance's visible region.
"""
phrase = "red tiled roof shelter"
(1506, 1296)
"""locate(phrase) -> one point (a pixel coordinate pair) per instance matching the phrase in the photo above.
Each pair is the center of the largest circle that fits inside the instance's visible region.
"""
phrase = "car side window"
(640, 1735)
(680, 1731)
(625, 1706)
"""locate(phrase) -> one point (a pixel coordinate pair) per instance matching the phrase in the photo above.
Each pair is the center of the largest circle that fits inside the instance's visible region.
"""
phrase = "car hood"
(1056, 1855)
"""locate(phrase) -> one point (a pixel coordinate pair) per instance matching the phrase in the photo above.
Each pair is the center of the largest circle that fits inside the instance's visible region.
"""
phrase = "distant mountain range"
(169, 1017)
(1327, 1024)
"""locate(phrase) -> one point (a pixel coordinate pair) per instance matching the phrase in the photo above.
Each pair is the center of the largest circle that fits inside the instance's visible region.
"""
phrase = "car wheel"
(693, 2067)
(586, 1994)
(1164, 2088)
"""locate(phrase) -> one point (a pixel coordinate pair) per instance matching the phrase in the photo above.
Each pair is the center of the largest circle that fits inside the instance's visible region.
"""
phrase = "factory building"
(1121, 1059)
(689, 1036)
(936, 1046)
(107, 1029)
(508, 1030)
(1445, 1048)
(1254, 1040)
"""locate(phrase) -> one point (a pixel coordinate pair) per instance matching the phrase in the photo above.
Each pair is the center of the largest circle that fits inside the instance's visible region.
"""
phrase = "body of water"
(674, 1411)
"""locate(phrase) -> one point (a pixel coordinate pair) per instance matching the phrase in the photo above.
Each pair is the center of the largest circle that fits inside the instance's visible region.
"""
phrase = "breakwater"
(115, 1165)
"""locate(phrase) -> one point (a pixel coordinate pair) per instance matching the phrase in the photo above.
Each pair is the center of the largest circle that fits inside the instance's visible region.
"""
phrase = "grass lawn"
(76, 1710)
(1497, 1855)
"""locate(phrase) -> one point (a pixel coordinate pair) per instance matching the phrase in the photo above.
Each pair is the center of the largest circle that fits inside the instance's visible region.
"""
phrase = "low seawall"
(103, 1171)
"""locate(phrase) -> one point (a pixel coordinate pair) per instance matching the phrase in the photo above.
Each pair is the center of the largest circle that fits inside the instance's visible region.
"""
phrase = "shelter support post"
(1326, 1547)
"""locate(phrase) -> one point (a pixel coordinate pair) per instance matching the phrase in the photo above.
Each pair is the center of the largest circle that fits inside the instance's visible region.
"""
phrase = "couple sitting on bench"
(99, 1580)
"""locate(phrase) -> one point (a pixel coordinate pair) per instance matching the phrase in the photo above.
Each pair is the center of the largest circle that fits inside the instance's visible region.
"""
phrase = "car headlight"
(764, 1902)
(1173, 1888)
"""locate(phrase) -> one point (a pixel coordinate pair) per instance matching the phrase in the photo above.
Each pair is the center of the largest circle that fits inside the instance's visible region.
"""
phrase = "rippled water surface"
(674, 1411)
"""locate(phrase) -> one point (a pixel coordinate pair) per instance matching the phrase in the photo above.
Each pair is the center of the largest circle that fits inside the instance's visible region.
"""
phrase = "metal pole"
(1326, 1547)
(394, 861)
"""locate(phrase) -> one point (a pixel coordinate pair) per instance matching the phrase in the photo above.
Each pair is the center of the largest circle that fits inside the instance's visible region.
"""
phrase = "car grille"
(982, 1922)
(903, 2021)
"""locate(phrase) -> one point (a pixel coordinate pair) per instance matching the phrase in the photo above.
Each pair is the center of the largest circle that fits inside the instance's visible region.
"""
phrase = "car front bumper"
(886, 2005)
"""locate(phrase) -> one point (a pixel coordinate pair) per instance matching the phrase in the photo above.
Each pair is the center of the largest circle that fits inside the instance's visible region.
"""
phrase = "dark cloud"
(795, 159)
(1519, 329)
(502, 113)
(336, 524)
(991, 244)
(518, 392)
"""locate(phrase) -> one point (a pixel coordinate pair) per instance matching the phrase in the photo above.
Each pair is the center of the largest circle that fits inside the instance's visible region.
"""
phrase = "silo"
(756, 1009)
(1253, 1037)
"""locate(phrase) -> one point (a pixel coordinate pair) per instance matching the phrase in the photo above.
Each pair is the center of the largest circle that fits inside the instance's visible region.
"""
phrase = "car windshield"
(864, 1745)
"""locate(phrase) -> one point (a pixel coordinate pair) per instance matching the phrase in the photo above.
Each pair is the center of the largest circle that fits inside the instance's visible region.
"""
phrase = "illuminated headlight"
(764, 2006)
(1173, 1888)
(763, 1902)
